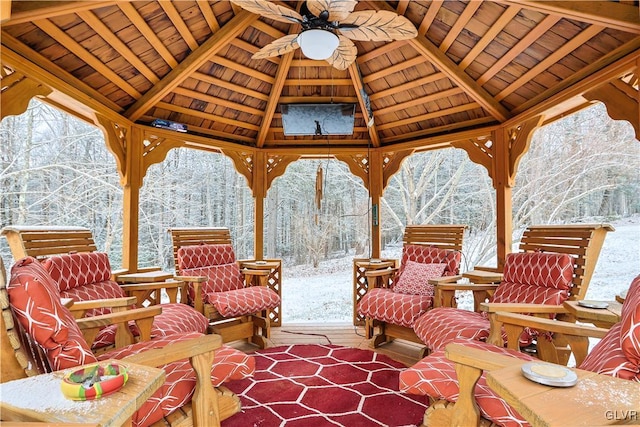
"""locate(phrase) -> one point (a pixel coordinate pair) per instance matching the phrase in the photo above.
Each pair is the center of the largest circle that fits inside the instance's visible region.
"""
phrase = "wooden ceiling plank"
(419, 101)
(533, 35)
(225, 62)
(460, 24)
(31, 63)
(274, 98)
(616, 15)
(209, 16)
(26, 11)
(194, 61)
(109, 37)
(555, 56)
(417, 60)
(77, 49)
(206, 116)
(616, 63)
(318, 82)
(427, 116)
(268, 29)
(407, 86)
(356, 78)
(434, 7)
(146, 31)
(178, 22)
(402, 7)
(230, 86)
(318, 99)
(5, 11)
(438, 129)
(443, 140)
(445, 64)
(489, 36)
(217, 101)
(241, 44)
(382, 50)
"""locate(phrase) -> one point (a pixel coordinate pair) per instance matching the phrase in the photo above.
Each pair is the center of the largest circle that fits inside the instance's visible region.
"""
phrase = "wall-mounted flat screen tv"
(318, 119)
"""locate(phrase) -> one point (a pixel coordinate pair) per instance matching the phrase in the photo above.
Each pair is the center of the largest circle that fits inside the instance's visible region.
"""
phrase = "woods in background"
(56, 170)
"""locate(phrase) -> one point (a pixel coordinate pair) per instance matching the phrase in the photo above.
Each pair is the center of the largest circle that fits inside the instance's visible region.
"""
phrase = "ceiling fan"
(328, 26)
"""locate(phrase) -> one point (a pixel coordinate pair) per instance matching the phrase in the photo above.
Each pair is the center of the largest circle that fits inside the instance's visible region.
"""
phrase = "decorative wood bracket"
(277, 165)
(17, 91)
(621, 97)
(244, 162)
(359, 165)
(115, 136)
(391, 162)
(480, 152)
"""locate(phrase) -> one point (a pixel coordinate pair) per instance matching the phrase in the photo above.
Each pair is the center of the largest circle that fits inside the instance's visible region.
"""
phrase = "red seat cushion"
(243, 301)
(392, 307)
(531, 277)
(436, 377)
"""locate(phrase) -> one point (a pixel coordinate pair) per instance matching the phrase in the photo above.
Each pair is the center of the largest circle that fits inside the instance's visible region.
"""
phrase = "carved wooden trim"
(621, 98)
(17, 91)
(479, 151)
(391, 162)
(358, 165)
(244, 163)
(156, 148)
(277, 165)
(519, 143)
(115, 136)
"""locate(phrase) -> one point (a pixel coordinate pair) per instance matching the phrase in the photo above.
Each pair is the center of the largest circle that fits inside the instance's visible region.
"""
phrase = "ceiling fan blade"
(269, 10)
(377, 26)
(278, 47)
(344, 55)
(338, 9)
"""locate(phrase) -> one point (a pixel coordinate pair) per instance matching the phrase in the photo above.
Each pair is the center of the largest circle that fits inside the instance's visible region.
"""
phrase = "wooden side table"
(594, 400)
(144, 277)
(600, 317)
(274, 282)
(39, 398)
(360, 286)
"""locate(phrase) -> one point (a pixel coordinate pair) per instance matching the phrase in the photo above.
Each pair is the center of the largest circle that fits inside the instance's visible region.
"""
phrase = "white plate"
(593, 304)
(261, 262)
(375, 261)
(549, 374)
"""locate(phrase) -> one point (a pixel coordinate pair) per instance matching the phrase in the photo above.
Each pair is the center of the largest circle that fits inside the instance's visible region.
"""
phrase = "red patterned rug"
(324, 385)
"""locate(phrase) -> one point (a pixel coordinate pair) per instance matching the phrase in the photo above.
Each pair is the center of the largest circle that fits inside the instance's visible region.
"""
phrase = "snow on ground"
(325, 294)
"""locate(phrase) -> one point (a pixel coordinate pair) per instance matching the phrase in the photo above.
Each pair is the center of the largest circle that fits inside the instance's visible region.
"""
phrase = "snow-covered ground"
(325, 294)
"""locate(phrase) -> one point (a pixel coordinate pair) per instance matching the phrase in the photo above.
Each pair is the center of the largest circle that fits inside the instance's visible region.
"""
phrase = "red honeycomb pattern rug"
(324, 385)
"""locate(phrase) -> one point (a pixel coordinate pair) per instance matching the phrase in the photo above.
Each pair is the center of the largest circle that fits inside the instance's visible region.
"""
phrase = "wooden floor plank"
(343, 334)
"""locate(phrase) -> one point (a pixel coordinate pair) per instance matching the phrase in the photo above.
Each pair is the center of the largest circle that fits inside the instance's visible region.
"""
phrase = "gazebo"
(479, 76)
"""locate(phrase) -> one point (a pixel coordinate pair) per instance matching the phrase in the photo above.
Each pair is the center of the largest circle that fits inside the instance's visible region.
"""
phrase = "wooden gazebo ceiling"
(473, 65)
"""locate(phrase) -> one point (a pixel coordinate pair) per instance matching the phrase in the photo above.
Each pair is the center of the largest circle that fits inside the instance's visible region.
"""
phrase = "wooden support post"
(131, 183)
(375, 192)
(504, 214)
(259, 193)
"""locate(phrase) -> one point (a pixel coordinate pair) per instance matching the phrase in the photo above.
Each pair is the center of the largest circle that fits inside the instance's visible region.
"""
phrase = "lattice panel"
(360, 267)
(274, 282)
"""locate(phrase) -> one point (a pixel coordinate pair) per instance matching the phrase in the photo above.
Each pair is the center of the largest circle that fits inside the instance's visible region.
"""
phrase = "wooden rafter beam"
(428, 116)
(229, 86)
(5, 11)
(206, 116)
(276, 90)
(26, 11)
(420, 101)
(194, 61)
(177, 21)
(440, 60)
(407, 86)
(617, 15)
(460, 24)
(365, 107)
(424, 133)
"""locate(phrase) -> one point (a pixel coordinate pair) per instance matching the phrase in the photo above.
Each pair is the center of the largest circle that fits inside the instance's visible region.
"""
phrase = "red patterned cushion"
(195, 256)
(431, 255)
(415, 277)
(617, 354)
(243, 301)
(438, 327)
(35, 300)
(435, 376)
(392, 307)
(78, 269)
(228, 364)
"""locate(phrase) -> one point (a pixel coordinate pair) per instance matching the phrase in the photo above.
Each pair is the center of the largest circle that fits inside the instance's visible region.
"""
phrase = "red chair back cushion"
(216, 262)
(431, 255)
(535, 278)
(36, 303)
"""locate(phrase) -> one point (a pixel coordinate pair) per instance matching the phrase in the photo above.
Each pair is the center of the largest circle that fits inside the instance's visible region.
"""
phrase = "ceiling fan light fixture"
(318, 44)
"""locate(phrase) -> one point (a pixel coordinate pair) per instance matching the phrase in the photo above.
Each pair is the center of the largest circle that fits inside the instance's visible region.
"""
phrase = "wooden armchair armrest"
(467, 287)
(380, 278)
(575, 335)
(484, 268)
(143, 317)
(152, 291)
(381, 272)
(444, 280)
(492, 307)
(445, 293)
(192, 279)
(200, 352)
(79, 308)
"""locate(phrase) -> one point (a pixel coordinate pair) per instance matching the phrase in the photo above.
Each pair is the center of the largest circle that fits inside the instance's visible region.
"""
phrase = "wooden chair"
(188, 358)
(455, 374)
(396, 297)
(84, 275)
(239, 297)
(581, 244)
